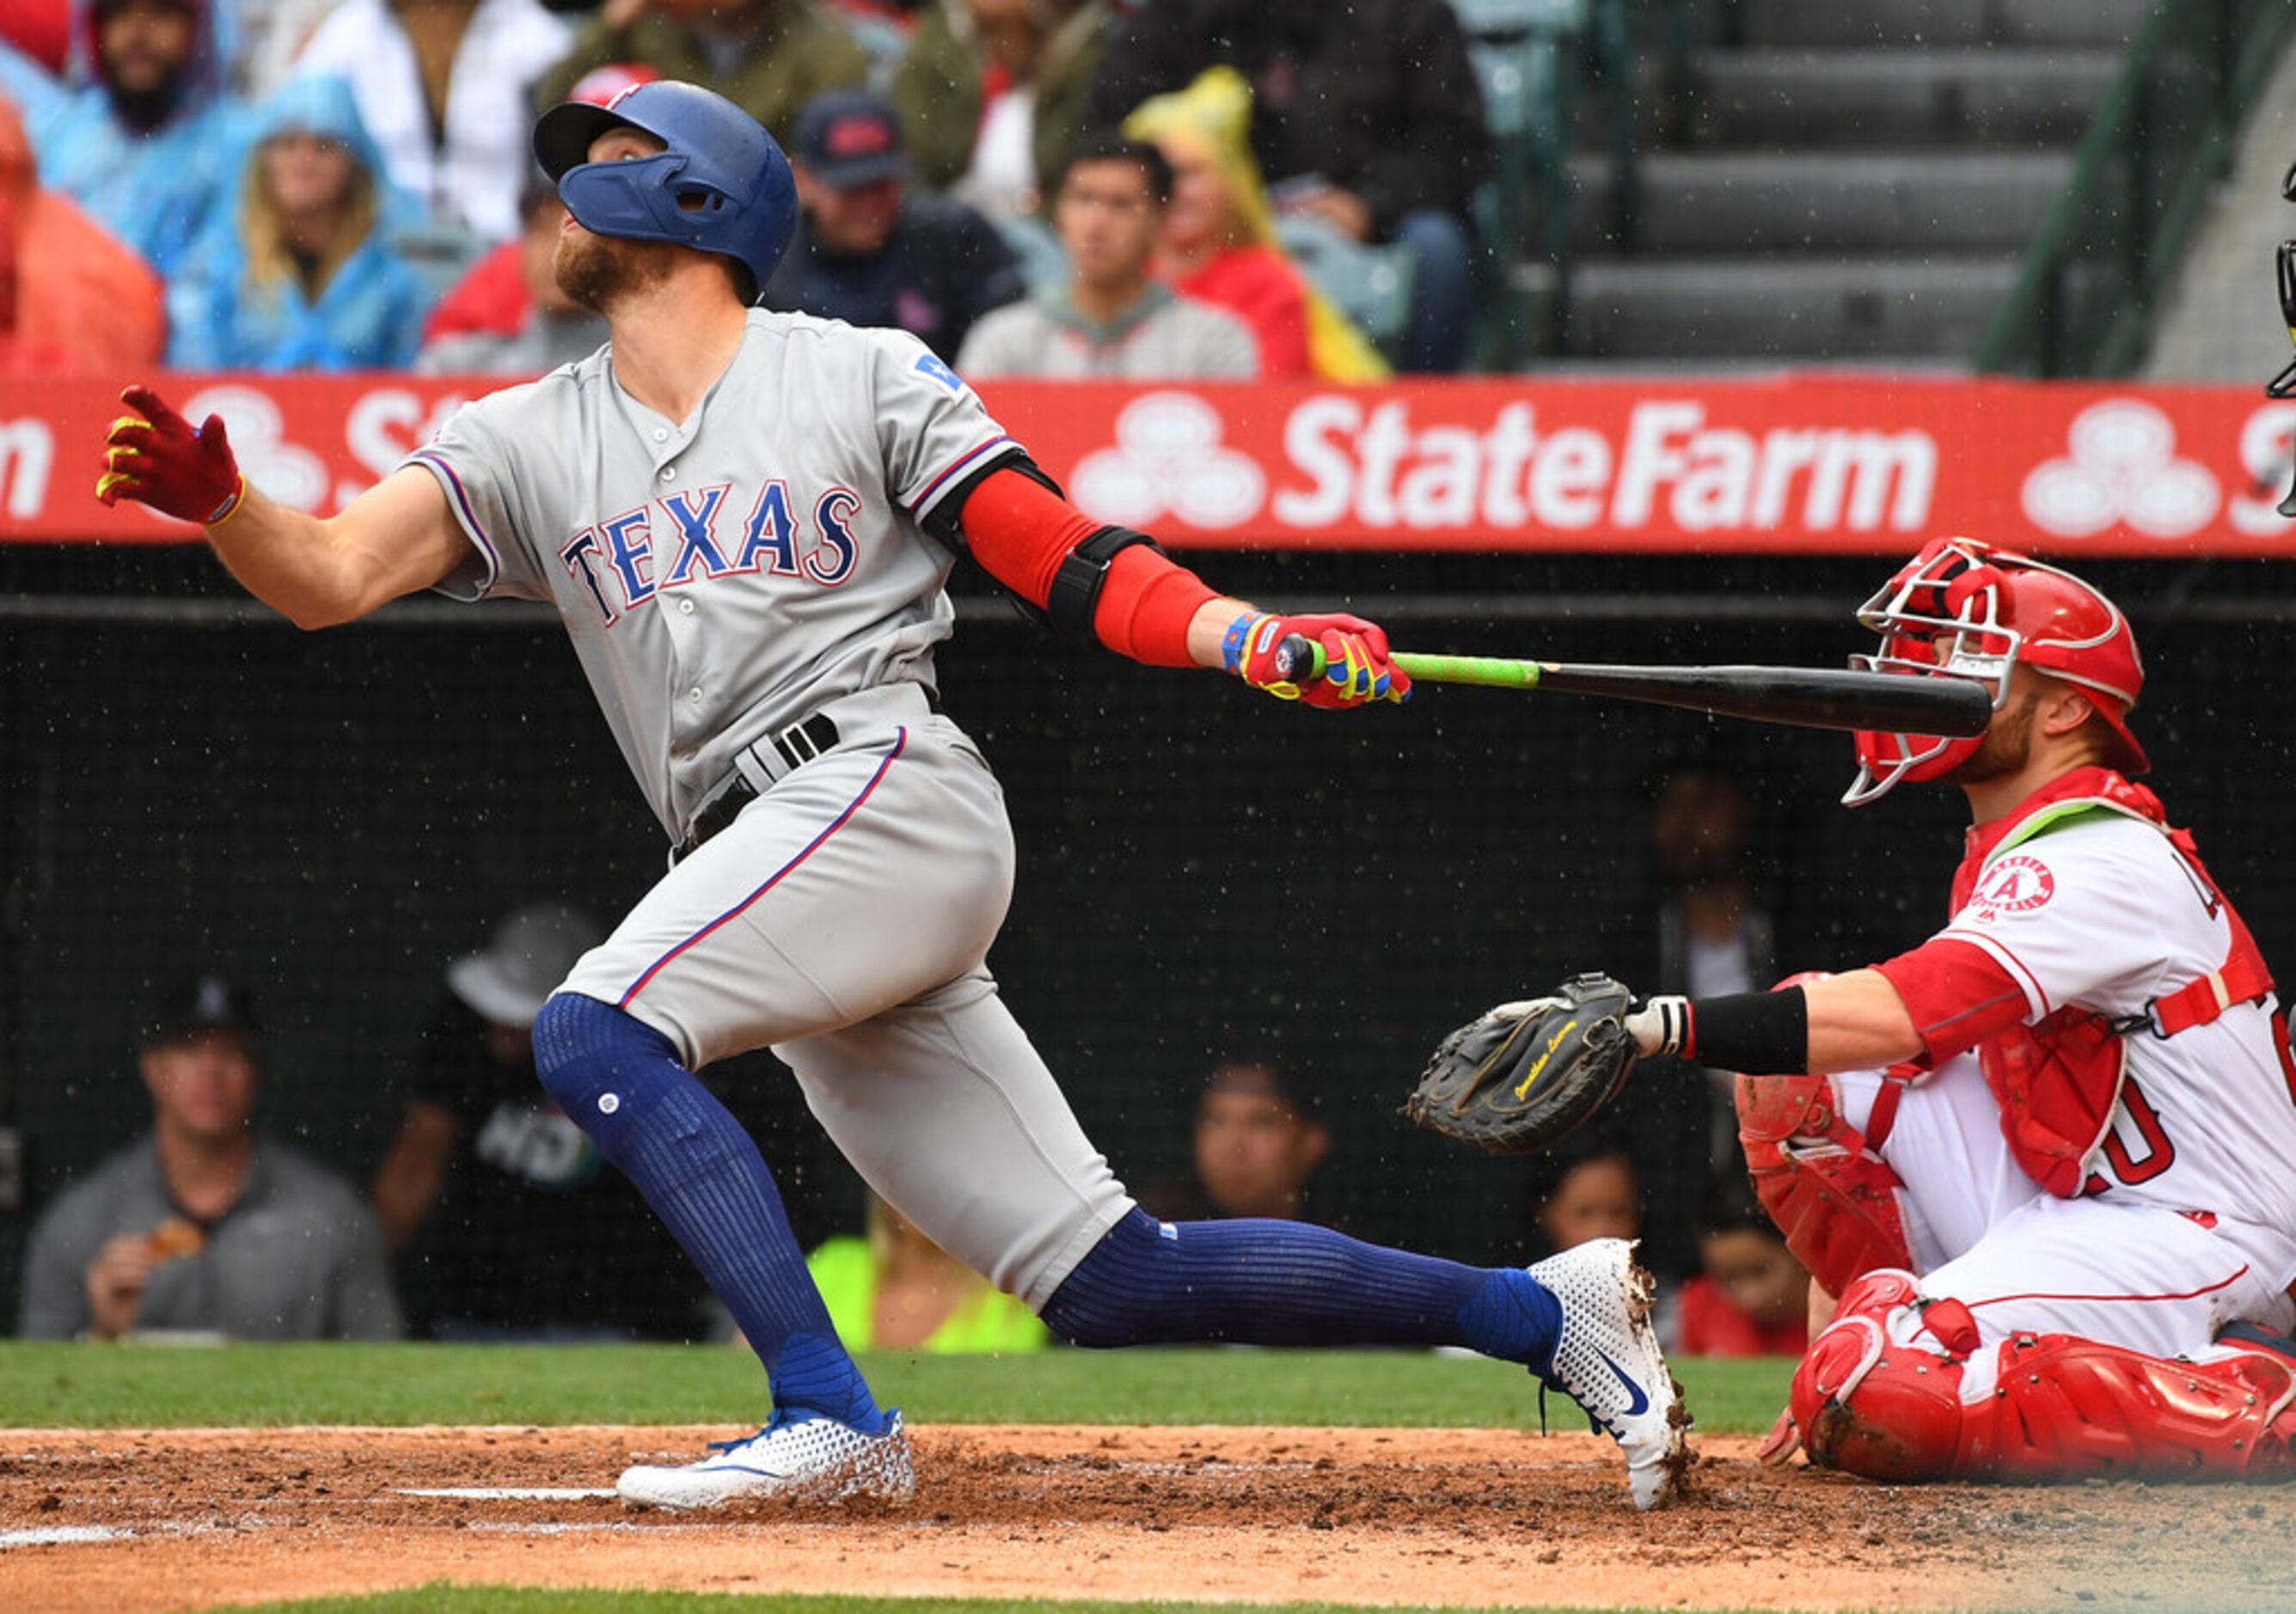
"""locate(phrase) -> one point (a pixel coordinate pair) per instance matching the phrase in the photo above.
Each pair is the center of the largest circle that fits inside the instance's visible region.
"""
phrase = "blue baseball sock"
(618, 1080)
(1266, 1282)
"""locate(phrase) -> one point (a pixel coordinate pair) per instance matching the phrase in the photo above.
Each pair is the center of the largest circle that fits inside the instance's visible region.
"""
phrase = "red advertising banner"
(1795, 463)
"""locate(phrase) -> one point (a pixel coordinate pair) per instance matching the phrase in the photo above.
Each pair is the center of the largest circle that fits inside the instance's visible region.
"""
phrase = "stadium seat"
(1043, 262)
(1526, 58)
(1370, 285)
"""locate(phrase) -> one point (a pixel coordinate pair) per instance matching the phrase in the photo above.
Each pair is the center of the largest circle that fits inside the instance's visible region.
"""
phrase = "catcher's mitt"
(1524, 1075)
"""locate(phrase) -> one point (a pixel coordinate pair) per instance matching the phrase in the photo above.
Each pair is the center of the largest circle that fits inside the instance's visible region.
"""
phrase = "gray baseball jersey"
(725, 580)
(728, 576)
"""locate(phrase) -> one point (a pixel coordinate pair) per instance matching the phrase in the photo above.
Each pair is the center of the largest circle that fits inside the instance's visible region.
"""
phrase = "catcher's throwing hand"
(1521, 1077)
(154, 457)
(1355, 665)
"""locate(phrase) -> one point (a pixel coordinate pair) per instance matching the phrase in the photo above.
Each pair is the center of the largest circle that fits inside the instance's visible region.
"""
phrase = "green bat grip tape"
(1469, 669)
(1308, 663)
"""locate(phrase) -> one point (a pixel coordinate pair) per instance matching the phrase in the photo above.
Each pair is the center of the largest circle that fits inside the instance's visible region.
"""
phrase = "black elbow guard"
(1075, 597)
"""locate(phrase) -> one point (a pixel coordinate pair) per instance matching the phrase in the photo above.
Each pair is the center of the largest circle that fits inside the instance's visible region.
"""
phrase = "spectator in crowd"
(138, 133)
(1113, 319)
(492, 298)
(506, 1223)
(1595, 1196)
(769, 56)
(1711, 935)
(41, 30)
(1752, 1297)
(1219, 244)
(896, 1289)
(554, 329)
(1366, 117)
(1256, 1146)
(72, 297)
(303, 276)
(992, 94)
(203, 1226)
(263, 37)
(870, 252)
(446, 88)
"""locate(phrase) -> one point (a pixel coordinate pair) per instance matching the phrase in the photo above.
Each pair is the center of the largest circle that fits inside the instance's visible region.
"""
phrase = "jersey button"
(685, 607)
(660, 435)
(669, 473)
(695, 694)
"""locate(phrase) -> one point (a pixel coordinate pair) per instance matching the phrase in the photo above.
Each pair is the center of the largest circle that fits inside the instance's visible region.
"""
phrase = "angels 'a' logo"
(2014, 885)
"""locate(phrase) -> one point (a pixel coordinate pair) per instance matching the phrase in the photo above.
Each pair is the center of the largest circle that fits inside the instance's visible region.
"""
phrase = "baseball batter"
(746, 520)
(2055, 1168)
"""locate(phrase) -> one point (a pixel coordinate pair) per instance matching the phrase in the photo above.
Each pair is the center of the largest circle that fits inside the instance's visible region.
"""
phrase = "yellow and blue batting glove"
(1329, 661)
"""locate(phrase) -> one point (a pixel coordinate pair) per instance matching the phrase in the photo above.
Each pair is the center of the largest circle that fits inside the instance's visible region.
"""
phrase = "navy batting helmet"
(722, 186)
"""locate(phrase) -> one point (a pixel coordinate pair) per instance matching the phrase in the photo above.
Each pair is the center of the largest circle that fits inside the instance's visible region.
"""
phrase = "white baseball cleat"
(799, 1457)
(1607, 1360)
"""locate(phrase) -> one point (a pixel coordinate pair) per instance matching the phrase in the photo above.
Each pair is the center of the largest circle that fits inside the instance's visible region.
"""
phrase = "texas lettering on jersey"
(725, 574)
(619, 561)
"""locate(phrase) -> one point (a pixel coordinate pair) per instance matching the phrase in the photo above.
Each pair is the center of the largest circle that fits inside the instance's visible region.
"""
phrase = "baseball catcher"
(2043, 1158)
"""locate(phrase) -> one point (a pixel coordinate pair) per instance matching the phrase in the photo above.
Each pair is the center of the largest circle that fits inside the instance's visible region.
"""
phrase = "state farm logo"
(2014, 885)
(2121, 466)
(1169, 460)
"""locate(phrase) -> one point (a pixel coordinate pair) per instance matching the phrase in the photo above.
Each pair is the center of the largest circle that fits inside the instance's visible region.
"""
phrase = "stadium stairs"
(1850, 183)
(2221, 318)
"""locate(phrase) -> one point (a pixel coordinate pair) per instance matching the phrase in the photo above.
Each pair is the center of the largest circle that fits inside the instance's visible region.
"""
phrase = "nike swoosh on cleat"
(1640, 1403)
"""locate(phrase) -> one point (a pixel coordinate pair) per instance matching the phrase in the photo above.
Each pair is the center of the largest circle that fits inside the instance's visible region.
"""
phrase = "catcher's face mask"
(1962, 609)
(1946, 614)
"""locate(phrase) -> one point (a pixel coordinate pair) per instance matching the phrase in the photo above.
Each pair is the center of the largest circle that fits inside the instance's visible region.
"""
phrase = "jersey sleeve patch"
(932, 369)
(2016, 884)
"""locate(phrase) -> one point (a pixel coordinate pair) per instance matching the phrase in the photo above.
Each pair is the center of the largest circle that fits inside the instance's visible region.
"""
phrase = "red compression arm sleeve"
(1957, 994)
(1021, 530)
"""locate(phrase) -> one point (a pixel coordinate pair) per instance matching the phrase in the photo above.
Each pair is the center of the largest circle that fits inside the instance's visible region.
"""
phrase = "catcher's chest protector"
(2058, 1081)
(1879, 1395)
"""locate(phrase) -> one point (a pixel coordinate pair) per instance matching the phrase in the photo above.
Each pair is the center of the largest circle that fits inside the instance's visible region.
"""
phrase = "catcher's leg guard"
(2061, 1408)
(1865, 1403)
(1836, 1203)
(2073, 1409)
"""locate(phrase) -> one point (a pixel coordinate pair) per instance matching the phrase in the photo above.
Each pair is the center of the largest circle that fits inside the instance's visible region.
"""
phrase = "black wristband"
(1752, 1033)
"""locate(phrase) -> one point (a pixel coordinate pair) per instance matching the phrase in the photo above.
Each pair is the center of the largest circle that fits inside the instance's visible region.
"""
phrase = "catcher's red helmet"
(1964, 609)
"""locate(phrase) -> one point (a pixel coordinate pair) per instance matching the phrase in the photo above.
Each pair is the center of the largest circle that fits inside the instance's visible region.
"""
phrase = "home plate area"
(131, 1520)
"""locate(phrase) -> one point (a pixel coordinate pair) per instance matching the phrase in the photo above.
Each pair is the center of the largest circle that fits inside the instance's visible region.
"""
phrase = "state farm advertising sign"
(1818, 463)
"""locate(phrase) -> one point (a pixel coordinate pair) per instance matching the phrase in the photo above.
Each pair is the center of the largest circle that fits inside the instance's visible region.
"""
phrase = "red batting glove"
(154, 457)
(1355, 665)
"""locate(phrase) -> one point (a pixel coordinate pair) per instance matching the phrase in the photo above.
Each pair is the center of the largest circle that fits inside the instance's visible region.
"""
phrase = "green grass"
(443, 1599)
(155, 1387)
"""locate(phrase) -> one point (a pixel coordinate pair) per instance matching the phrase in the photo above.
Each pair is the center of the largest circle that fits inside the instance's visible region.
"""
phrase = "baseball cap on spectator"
(206, 1001)
(528, 954)
(849, 138)
(604, 84)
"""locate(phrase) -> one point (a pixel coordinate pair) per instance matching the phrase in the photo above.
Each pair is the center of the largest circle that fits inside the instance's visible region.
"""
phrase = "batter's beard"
(2007, 746)
(598, 271)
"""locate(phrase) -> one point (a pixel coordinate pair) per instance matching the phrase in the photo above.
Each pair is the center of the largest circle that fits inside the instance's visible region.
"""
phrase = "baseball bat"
(1804, 697)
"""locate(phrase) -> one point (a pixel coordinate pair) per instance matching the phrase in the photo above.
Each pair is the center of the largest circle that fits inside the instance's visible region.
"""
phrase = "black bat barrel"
(1831, 698)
